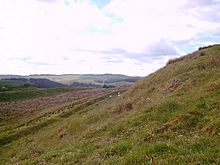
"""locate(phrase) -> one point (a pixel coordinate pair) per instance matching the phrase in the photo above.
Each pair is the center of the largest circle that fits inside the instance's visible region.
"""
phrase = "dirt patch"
(173, 85)
(124, 105)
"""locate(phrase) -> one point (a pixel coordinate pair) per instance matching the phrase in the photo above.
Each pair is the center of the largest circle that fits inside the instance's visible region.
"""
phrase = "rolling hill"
(36, 82)
(170, 117)
(22, 88)
(96, 79)
(82, 79)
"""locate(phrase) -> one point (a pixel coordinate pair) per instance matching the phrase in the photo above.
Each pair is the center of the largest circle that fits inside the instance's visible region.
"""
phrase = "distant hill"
(40, 82)
(95, 79)
(83, 80)
(21, 88)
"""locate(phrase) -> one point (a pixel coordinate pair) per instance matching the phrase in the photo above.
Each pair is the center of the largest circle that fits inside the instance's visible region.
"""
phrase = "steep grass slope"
(171, 117)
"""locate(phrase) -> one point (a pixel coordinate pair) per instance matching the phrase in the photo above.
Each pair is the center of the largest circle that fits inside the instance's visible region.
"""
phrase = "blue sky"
(100, 3)
(133, 37)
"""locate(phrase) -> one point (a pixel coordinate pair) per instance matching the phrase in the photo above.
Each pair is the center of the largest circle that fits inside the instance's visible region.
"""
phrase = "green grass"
(30, 93)
(171, 117)
(8, 85)
(16, 90)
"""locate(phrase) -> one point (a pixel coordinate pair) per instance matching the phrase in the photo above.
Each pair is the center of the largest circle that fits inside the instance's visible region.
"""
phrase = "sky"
(132, 37)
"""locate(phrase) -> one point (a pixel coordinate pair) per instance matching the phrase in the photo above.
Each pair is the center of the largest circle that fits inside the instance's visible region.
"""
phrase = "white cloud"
(47, 32)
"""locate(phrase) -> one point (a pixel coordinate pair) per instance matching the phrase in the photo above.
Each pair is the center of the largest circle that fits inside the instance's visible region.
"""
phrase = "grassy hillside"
(11, 90)
(171, 117)
(7, 85)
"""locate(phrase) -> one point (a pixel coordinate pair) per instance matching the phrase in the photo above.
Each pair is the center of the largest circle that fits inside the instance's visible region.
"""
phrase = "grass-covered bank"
(171, 117)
